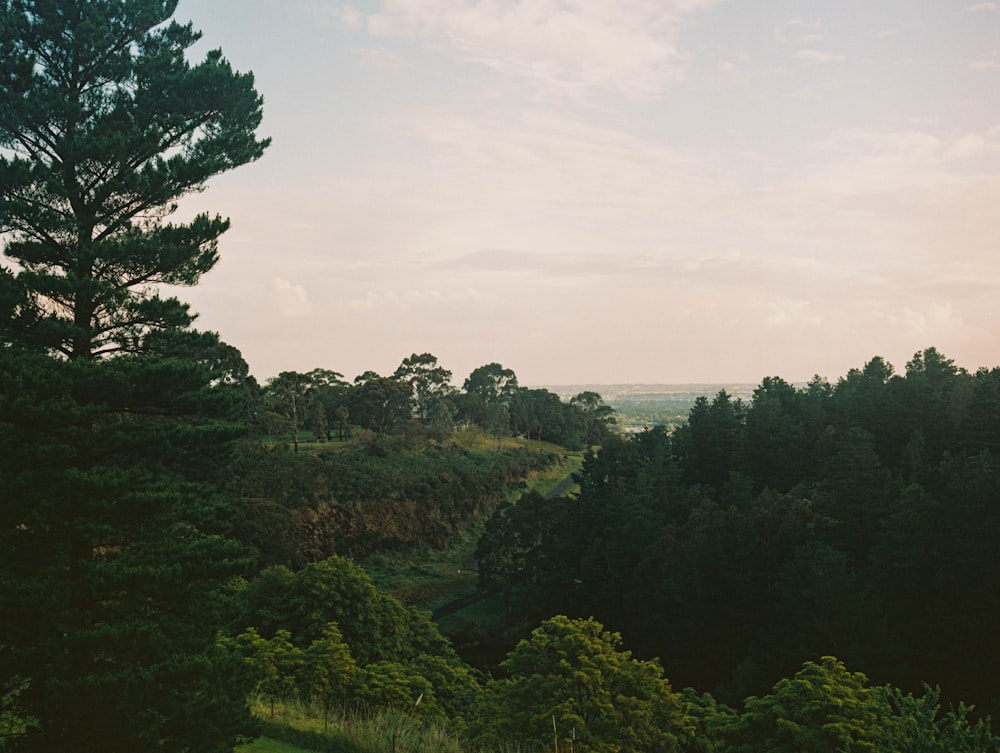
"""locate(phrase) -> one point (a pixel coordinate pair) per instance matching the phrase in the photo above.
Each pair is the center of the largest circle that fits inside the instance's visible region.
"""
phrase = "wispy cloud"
(819, 57)
(982, 7)
(990, 63)
(796, 32)
(629, 47)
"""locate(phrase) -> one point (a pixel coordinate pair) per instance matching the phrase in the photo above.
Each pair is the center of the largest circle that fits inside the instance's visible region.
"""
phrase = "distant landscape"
(641, 406)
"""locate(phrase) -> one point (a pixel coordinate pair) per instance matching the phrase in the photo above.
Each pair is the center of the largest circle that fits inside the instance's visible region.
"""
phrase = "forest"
(182, 549)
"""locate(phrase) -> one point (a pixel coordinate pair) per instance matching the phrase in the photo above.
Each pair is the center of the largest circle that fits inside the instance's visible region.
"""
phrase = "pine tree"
(104, 125)
(113, 421)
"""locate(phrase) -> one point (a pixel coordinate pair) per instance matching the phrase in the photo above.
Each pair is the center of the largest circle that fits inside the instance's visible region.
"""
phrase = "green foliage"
(113, 543)
(113, 553)
(432, 393)
(855, 519)
(329, 636)
(380, 403)
(516, 549)
(352, 501)
(822, 709)
(571, 679)
(104, 125)
(490, 391)
(918, 724)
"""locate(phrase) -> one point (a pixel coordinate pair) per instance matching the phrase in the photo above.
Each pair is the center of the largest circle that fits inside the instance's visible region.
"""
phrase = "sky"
(596, 192)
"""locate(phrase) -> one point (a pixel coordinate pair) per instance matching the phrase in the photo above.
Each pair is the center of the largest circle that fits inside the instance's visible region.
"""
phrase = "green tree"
(711, 443)
(375, 626)
(277, 664)
(113, 543)
(113, 554)
(104, 125)
(775, 436)
(572, 678)
(918, 724)
(431, 383)
(822, 709)
(489, 392)
(519, 548)
(286, 404)
(380, 403)
(538, 413)
(599, 417)
(330, 670)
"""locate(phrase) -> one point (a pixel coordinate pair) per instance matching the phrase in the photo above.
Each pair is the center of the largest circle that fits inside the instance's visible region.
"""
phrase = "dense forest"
(854, 519)
(181, 547)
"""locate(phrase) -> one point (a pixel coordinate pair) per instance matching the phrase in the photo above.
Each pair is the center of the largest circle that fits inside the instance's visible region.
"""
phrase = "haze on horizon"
(668, 191)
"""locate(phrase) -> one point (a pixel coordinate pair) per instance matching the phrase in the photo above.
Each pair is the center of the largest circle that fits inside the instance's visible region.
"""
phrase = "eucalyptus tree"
(431, 383)
(490, 391)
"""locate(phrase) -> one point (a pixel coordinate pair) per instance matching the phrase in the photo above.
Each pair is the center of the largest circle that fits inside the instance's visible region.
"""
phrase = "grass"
(302, 728)
(268, 745)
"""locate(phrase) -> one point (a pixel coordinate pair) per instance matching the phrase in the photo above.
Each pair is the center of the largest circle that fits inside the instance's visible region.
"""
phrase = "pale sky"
(590, 191)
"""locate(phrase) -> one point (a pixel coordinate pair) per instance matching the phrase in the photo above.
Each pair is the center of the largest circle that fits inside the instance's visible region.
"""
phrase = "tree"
(775, 435)
(571, 678)
(822, 709)
(489, 392)
(104, 125)
(380, 403)
(431, 384)
(113, 554)
(113, 548)
(538, 412)
(277, 664)
(375, 626)
(285, 403)
(599, 417)
(917, 724)
(520, 548)
(709, 444)
(293, 401)
(330, 670)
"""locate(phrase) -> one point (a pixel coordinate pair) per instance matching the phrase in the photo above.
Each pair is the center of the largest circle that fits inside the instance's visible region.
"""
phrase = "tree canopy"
(104, 125)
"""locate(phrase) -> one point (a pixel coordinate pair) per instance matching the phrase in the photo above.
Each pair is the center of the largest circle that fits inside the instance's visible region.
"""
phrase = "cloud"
(915, 148)
(289, 299)
(326, 14)
(819, 57)
(795, 32)
(986, 64)
(969, 145)
(982, 7)
(629, 47)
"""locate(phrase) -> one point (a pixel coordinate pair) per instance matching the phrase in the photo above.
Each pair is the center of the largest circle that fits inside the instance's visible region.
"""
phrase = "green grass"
(267, 745)
(302, 728)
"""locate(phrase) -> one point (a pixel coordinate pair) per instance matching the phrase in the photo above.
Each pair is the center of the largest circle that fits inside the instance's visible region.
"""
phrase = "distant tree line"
(420, 397)
(856, 519)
